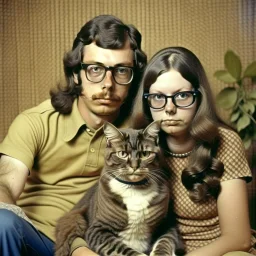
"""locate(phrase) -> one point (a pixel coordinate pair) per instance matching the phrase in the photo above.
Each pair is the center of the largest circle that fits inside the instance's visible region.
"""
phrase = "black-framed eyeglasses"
(180, 99)
(96, 73)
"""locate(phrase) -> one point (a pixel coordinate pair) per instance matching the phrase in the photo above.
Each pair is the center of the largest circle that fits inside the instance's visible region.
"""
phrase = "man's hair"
(201, 177)
(107, 32)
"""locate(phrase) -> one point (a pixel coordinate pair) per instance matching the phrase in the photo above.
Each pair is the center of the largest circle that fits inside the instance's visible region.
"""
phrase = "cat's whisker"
(103, 176)
(154, 179)
(109, 173)
(161, 174)
(157, 178)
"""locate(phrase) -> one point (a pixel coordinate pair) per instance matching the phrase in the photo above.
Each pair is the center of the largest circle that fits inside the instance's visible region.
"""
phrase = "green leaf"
(239, 101)
(250, 71)
(251, 95)
(234, 116)
(248, 107)
(243, 122)
(253, 101)
(227, 98)
(247, 140)
(247, 143)
(224, 76)
(233, 64)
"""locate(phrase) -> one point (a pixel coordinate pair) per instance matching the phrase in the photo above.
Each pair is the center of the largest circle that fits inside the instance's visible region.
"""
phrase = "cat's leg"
(69, 227)
(168, 244)
(102, 239)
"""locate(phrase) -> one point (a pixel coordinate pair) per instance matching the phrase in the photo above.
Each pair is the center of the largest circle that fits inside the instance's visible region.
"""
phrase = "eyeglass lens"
(96, 73)
(180, 99)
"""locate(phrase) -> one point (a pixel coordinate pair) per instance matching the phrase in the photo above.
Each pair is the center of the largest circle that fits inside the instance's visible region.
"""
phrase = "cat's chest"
(140, 213)
(137, 233)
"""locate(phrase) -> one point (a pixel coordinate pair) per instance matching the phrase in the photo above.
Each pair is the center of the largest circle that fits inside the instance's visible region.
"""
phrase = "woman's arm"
(233, 214)
(83, 251)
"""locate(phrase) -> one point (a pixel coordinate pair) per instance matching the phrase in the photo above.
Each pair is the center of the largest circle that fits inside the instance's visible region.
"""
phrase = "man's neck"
(93, 120)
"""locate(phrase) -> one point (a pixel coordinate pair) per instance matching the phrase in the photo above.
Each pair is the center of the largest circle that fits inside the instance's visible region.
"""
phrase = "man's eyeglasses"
(179, 99)
(96, 73)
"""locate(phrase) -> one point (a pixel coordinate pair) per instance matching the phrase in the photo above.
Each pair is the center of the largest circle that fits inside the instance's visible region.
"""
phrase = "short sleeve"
(22, 139)
(232, 154)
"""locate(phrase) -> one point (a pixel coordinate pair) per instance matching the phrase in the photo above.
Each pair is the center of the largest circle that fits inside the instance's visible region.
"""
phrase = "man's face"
(106, 97)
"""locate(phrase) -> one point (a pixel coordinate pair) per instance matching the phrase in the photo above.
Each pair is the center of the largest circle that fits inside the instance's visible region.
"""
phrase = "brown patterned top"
(199, 222)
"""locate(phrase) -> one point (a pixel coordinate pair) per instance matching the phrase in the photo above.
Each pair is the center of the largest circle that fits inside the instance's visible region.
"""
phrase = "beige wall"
(36, 33)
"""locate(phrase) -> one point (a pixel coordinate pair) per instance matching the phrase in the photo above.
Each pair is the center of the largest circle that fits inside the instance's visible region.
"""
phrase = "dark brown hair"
(107, 32)
(202, 176)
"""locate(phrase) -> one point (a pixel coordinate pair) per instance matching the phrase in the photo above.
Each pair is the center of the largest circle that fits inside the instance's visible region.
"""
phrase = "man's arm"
(13, 176)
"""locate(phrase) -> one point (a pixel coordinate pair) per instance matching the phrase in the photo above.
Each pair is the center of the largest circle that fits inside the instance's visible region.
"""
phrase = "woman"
(207, 159)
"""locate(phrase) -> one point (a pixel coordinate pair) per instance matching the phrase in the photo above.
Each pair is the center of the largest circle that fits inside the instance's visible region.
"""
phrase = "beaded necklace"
(178, 155)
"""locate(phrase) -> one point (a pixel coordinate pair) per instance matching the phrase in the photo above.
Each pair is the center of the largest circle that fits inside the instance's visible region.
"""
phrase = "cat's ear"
(112, 133)
(152, 130)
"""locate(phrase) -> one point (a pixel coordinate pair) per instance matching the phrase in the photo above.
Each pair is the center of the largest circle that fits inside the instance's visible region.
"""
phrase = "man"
(46, 166)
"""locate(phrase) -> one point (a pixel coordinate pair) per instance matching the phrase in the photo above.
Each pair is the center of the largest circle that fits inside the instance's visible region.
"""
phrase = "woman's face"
(175, 120)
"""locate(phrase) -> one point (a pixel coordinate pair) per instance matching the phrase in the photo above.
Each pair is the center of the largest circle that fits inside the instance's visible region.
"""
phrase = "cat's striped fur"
(128, 212)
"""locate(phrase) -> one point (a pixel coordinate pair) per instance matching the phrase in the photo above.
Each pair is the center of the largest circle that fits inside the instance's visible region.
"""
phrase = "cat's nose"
(134, 164)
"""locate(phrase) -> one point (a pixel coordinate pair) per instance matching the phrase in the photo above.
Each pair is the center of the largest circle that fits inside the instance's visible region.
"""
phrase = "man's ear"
(75, 77)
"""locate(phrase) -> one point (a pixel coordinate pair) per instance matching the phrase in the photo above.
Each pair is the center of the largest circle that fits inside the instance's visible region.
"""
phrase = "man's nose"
(108, 80)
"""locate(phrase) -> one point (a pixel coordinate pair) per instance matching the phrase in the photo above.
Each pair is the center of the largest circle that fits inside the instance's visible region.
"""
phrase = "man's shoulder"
(43, 107)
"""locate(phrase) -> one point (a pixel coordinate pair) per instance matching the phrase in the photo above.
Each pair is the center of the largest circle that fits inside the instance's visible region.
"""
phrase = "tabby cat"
(128, 212)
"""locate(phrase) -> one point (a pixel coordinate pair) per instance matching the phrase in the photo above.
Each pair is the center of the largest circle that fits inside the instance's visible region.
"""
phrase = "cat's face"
(131, 155)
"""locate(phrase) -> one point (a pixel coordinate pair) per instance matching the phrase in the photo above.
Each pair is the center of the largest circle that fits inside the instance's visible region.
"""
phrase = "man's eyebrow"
(129, 64)
(92, 62)
(125, 64)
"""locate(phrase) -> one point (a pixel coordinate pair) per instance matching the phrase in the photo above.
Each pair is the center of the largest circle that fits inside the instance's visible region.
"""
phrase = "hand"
(83, 251)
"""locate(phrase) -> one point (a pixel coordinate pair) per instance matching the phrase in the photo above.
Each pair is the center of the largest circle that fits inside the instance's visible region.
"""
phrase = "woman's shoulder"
(229, 137)
(227, 132)
(231, 148)
(232, 154)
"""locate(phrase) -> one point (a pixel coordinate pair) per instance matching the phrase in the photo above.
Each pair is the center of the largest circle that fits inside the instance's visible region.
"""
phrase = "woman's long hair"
(202, 176)
(107, 32)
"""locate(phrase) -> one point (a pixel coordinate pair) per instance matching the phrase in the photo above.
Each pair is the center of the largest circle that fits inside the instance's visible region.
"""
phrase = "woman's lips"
(170, 122)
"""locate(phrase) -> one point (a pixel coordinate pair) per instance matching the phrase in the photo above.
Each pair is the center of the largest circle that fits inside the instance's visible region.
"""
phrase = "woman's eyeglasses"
(179, 99)
(96, 73)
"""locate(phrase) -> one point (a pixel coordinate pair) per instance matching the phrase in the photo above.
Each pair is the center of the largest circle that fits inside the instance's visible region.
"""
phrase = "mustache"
(102, 95)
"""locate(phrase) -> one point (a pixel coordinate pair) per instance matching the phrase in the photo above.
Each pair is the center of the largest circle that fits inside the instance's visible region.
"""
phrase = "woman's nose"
(170, 107)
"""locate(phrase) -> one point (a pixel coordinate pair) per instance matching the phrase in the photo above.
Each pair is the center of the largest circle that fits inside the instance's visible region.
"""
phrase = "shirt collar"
(73, 122)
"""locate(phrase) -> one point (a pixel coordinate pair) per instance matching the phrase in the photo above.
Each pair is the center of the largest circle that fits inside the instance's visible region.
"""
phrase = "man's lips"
(103, 99)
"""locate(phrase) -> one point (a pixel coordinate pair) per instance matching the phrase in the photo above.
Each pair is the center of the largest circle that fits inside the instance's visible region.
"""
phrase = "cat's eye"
(144, 154)
(122, 154)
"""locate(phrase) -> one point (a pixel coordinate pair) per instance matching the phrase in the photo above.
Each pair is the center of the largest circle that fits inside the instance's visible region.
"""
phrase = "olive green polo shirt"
(64, 157)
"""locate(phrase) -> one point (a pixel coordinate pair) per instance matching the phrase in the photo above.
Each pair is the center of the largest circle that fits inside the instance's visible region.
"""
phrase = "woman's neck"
(180, 144)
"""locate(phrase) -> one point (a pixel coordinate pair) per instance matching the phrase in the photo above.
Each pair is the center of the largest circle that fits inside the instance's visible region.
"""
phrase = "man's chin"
(107, 111)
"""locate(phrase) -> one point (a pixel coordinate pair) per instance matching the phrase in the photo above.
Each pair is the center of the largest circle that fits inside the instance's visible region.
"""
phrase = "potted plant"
(239, 97)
